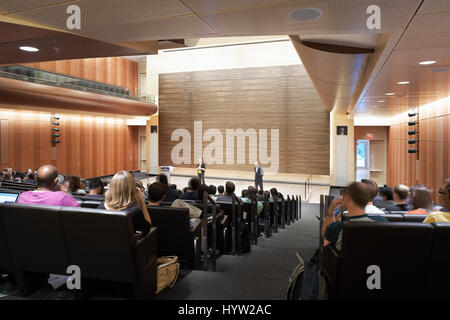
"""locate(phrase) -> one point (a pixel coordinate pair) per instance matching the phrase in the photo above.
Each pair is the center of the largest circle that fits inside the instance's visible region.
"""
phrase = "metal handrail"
(308, 187)
(69, 82)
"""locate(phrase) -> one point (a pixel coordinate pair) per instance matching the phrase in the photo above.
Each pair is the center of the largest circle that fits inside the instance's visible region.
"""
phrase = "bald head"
(47, 177)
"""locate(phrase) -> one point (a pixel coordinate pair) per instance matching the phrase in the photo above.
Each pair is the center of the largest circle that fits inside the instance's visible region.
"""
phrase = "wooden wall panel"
(432, 168)
(260, 98)
(90, 145)
(114, 70)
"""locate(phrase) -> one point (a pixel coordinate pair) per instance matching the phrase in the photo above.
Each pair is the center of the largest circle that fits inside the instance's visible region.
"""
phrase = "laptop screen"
(8, 197)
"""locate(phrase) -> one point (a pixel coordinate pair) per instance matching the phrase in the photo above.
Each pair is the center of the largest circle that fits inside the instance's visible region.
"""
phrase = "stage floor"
(286, 183)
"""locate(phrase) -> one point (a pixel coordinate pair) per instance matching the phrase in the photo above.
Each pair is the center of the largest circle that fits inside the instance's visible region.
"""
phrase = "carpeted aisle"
(261, 274)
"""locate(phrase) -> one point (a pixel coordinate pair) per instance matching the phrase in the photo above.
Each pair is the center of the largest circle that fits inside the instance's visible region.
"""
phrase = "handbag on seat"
(168, 270)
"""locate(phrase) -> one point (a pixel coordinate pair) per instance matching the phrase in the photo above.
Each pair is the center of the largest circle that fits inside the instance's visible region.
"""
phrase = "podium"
(166, 170)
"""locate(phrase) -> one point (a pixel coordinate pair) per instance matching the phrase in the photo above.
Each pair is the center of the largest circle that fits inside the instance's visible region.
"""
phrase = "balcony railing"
(34, 75)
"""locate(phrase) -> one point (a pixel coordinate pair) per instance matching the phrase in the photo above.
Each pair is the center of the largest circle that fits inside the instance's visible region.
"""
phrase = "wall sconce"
(412, 132)
(412, 151)
(412, 123)
(412, 141)
(412, 114)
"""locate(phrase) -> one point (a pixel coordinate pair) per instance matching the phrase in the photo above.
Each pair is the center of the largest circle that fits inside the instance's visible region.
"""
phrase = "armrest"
(146, 250)
(332, 264)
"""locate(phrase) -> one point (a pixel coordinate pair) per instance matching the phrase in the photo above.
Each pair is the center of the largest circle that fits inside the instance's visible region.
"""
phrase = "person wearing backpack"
(259, 173)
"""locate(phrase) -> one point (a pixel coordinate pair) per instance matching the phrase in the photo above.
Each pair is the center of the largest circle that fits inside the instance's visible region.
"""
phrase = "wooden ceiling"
(425, 38)
(53, 45)
(417, 30)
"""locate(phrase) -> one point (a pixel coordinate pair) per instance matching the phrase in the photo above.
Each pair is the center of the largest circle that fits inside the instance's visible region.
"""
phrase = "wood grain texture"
(432, 168)
(90, 146)
(260, 98)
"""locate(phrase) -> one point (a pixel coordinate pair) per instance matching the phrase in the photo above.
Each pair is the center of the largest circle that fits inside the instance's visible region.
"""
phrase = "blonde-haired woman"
(123, 195)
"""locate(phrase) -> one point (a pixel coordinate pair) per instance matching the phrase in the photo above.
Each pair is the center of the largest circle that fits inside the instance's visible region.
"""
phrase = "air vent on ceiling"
(305, 14)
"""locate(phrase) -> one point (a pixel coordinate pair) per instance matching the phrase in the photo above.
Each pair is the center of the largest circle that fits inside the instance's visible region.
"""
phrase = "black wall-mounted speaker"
(412, 132)
(412, 150)
(412, 123)
(412, 141)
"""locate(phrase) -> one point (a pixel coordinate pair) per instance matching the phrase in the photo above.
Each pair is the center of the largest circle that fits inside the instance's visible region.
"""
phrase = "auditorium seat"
(47, 239)
(392, 217)
(102, 244)
(414, 217)
(402, 251)
(175, 237)
(439, 276)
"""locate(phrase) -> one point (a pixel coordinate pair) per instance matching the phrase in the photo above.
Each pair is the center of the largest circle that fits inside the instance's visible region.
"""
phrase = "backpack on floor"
(308, 280)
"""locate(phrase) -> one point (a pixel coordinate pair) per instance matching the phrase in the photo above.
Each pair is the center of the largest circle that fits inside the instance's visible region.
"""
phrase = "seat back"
(439, 277)
(393, 217)
(401, 250)
(173, 229)
(100, 242)
(5, 259)
(35, 237)
(414, 217)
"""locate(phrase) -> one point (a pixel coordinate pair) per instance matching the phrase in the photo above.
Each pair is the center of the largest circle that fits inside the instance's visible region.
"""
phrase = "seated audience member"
(401, 193)
(274, 194)
(184, 190)
(47, 179)
(75, 185)
(191, 193)
(171, 194)
(156, 194)
(194, 212)
(18, 176)
(212, 190)
(201, 192)
(251, 194)
(421, 200)
(387, 198)
(444, 199)
(373, 192)
(30, 178)
(260, 195)
(229, 191)
(62, 185)
(220, 190)
(96, 189)
(7, 174)
(267, 194)
(123, 195)
(140, 186)
(355, 199)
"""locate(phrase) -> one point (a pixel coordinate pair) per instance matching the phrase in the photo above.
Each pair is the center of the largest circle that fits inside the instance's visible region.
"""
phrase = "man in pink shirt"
(47, 178)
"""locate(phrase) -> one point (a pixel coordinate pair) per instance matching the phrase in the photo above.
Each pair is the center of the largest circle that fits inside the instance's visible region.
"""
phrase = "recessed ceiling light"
(403, 82)
(305, 14)
(380, 101)
(389, 94)
(424, 63)
(28, 49)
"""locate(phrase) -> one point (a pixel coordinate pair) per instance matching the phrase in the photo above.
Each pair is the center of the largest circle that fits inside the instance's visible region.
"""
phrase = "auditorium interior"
(266, 127)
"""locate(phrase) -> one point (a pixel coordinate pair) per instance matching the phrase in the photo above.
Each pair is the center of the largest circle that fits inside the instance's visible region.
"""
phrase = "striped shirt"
(333, 233)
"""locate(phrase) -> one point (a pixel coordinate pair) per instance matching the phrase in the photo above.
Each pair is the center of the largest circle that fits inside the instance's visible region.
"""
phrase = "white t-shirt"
(371, 209)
